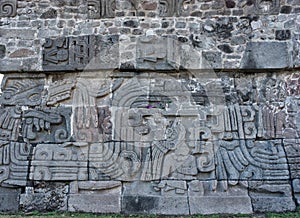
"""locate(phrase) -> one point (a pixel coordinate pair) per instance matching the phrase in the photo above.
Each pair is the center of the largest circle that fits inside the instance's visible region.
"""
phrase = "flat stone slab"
(221, 204)
(95, 197)
(166, 198)
(266, 55)
(9, 200)
(272, 197)
(213, 197)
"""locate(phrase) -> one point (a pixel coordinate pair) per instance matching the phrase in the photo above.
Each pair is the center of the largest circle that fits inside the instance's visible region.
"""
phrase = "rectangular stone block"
(95, 197)
(8, 8)
(170, 8)
(47, 125)
(213, 197)
(292, 148)
(60, 162)
(296, 189)
(249, 160)
(155, 53)
(18, 33)
(101, 8)
(45, 197)
(275, 196)
(165, 198)
(155, 205)
(9, 200)
(27, 88)
(266, 55)
(14, 161)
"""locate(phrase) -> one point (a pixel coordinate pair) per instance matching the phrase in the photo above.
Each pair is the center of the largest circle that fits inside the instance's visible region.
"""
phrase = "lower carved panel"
(153, 143)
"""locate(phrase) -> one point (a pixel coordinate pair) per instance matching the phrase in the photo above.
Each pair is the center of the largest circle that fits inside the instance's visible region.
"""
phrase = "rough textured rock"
(45, 197)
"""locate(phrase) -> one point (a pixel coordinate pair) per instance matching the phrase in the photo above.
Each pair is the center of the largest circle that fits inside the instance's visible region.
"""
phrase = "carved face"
(149, 124)
(27, 93)
(266, 6)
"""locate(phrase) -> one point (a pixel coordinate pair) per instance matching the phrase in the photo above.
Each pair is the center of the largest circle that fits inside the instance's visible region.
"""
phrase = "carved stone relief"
(156, 53)
(175, 8)
(267, 6)
(77, 53)
(8, 8)
(101, 9)
(172, 135)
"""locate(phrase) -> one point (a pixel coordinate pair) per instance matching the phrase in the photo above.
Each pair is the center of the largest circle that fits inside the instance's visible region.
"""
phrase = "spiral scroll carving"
(8, 8)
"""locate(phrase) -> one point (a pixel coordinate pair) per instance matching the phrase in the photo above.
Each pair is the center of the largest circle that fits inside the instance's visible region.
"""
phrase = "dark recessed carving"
(75, 53)
(170, 8)
(101, 8)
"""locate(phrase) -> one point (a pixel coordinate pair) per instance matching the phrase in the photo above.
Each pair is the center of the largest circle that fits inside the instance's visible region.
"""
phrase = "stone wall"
(150, 106)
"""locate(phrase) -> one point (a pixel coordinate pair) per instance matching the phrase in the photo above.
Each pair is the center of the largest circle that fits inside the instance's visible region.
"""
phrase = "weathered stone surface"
(47, 126)
(77, 53)
(95, 197)
(190, 145)
(156, 53)
(271, 196)
(266, 55)
(149, 127)
(25, 34)
(174, 8)
(166, 197)
(101, 8)
(14, 163)
(296, 189)
(60, 162)
(21, 53)
(2, 51)
(25, 90)
(218, 22)
(50, 14)
(45, 197)
(292, 147)
(9, 200)
(213, 197)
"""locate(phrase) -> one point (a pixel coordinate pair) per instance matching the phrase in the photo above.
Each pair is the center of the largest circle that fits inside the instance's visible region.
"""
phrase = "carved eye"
(6, 96)
(29, 121)
(34, 97)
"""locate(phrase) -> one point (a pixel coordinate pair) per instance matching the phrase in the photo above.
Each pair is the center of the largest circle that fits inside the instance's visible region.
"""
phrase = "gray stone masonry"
(167, 107)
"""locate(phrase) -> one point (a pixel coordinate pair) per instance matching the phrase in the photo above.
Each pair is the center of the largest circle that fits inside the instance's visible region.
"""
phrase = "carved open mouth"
(143, 130)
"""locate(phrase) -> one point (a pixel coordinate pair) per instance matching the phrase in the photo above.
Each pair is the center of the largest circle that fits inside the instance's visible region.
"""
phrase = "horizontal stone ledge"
(133, 72)
(147, 53)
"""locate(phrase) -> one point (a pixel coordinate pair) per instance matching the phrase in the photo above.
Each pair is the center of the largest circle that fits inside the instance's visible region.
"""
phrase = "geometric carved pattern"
(178, 137)
(158, 131)
(267, 6)
(8, 8)
(101, 9)
(75, 53)
(174, 7)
